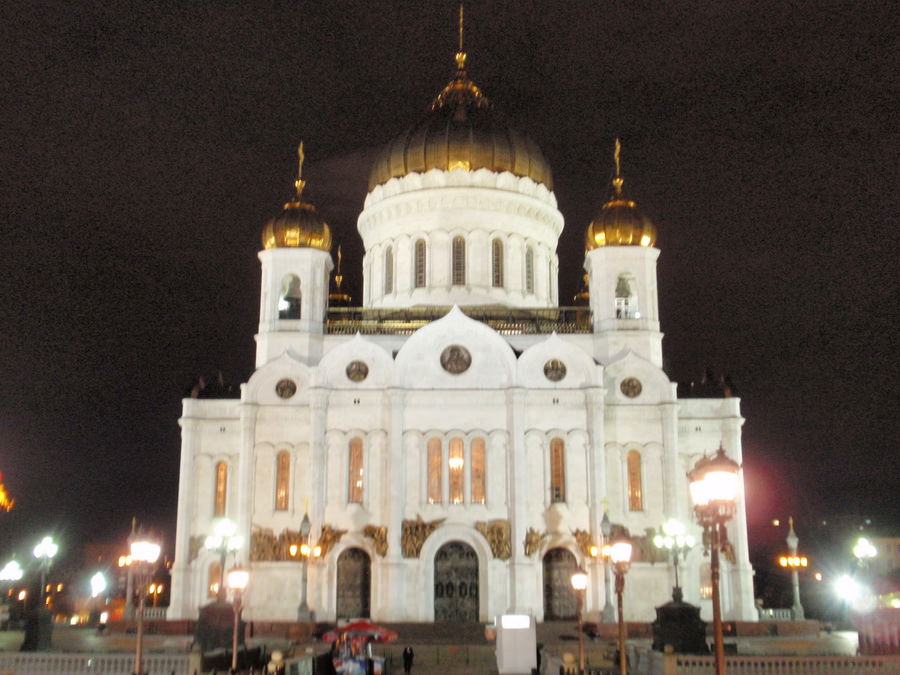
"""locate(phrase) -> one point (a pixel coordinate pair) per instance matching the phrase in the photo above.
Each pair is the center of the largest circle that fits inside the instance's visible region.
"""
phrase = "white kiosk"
(516, 644)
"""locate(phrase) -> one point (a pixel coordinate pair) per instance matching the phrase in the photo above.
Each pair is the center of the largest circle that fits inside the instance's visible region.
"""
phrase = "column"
(517, 480)
(596, 404)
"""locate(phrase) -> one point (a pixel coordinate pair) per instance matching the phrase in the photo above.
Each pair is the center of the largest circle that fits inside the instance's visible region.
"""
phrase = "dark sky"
(144, 145)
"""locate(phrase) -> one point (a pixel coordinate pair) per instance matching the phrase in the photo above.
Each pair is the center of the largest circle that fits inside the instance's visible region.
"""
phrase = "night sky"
(145, 144)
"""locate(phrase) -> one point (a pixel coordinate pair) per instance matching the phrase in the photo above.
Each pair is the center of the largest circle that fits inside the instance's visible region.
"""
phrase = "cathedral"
(455, 447)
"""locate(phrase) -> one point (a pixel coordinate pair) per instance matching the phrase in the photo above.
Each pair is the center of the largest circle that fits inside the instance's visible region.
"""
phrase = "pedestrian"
(407, 659)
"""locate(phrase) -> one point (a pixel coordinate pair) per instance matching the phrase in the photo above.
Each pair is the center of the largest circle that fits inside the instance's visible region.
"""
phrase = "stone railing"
(684, 664)
(60, 663)
(155, 613)
(786, 614)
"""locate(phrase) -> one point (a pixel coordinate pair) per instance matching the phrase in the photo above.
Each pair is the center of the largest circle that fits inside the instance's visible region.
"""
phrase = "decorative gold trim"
(329, 538)
(583, 539)
(533, 541)
(266, 547)
(414, 533)
(498, 535)
(378, 535)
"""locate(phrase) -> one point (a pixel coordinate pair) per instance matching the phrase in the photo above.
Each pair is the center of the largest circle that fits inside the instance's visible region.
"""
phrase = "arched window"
(420, 263)
(434, 471)
(635, 493)
(221, 491)
(457, 464)
(282, 476)
(478, 476)
(213, 579)
(626, 300)
(389, 270)
(355, 476)
(557, 470)
(497, 263)
(705, 581)
(458, 262)
(529, 270)
(289, 300)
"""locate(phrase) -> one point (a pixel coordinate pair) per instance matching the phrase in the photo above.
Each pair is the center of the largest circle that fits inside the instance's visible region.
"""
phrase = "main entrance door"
(559, 597)
(354, 573)
(456, 583)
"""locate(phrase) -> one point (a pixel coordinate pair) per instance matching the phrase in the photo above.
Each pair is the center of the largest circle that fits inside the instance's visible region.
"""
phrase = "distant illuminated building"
(457, 439)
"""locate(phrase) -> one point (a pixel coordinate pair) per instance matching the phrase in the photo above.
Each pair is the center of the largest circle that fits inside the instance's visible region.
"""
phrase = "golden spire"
(617, 157)
(461, 54)
(338, 277)
(300, 183)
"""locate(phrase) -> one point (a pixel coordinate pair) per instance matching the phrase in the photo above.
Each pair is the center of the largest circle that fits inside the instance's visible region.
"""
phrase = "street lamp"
(305, 551)
(794, 562)
(155, 590)
(45, 551)
(864, 551)
(144, 553)
(609, 614)
(223, 540)
(11, 571)
(237, 582)
(674, 539)
(620, 556)
(579, 583)
(714, 487)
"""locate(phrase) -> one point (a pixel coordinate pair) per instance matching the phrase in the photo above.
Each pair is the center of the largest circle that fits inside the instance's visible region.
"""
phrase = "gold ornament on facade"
(329, 538)
(583, 539)
(265, 546)
(534, 540)
(497, 533)
(378, 535)
(619, 222)
(414, 534)
(195, 545)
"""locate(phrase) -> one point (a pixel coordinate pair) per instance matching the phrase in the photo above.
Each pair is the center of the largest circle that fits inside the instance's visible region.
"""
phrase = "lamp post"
(864, 551)
(45, 551)
(237, 582)
(620, 556)
(579, 583)
(305, 551)
(714, 488)
(144, 553)
(39, 620)
(98, 587)
(223, 540)
(794, 562)
(155, 590)
(674, 539)
(609, 614)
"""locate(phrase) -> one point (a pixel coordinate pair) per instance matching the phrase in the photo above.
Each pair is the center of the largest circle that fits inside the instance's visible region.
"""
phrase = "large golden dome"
(298, 225)
(619, 222)
(461, 130)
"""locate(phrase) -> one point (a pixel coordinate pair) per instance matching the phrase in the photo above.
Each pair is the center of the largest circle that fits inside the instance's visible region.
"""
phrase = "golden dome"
(298, 225)
(619, 222)
(461, 130)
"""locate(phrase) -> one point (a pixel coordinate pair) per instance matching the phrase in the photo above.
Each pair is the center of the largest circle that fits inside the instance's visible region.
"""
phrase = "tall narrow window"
(497, 263)
(457, 465)
(459, 261)
(221, 489)
(289, 300)
(478, 479)
(213, 579)
(420, 263)
(435, 462)
(626, 301)
(635, 494)
(557, 470)
(389, 270)
(282, 475)
(355, 477)
(705, 581)
(529, 270)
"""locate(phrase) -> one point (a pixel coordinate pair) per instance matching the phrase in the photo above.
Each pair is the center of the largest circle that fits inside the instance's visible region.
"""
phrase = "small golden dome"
(461, 130)
(619, 222)
(298, 225)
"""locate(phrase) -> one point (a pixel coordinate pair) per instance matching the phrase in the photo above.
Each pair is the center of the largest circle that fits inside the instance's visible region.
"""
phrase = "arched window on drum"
(419, 272)
(458, 261)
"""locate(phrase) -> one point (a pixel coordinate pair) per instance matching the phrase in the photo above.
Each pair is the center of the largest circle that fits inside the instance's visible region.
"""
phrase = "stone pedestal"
(38, 630)
(679, 624)
(215, 626)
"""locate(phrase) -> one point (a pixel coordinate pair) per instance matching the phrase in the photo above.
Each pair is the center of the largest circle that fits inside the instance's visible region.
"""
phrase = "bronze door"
(559, 597)
(354, 574)
(456, 583)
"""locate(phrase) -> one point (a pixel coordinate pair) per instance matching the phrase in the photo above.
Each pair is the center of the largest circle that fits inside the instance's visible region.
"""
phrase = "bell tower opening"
(290, 299)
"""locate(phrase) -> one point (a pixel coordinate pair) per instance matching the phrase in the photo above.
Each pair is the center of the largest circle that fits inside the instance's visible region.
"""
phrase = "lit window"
(434, 471)
(497, 263)
(456, 462)
(529, 270)
(389, 270)
(221, 489)
(706, 588)
(214, 578)
(289, 300)
(282, 473)
(459, 261)
(478, 479)
(355, 488)
(420, 263)
(557, 470)
(635, 494)
(626, 301)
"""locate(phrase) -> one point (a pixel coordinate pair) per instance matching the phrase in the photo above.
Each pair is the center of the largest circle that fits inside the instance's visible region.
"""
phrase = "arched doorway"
(354, 574)
(456, 583)
(559, 597)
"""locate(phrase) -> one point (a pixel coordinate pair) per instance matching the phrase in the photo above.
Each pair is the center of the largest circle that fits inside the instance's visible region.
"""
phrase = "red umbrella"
(377, 633)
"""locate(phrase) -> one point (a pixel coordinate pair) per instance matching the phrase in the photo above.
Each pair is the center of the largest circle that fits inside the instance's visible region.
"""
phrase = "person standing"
(407, 659)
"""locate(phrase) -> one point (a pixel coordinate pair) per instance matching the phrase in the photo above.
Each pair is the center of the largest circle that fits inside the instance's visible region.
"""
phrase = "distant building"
(457, 439)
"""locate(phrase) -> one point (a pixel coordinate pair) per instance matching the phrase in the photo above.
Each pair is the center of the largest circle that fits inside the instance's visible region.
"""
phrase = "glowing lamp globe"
(579, 580)
(146, 551)
(620, 552)
(46, 549)
(238, 579)
(714, 484)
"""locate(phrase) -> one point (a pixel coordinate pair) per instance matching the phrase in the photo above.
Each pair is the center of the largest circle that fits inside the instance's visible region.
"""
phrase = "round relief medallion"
(631, 387)
(357, 371)
(456, 359)
(286, 388)
(554, 370)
